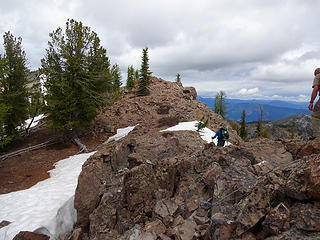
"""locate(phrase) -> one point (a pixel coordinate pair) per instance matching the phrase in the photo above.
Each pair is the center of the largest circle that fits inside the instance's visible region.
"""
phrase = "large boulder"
(24, 235)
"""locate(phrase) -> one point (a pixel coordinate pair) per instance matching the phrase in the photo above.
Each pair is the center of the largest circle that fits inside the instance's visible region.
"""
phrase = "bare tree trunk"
(34, 115)
(81, 146)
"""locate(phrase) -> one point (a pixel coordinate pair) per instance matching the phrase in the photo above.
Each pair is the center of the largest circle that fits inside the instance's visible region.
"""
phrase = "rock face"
(30, 236)
(173, 185)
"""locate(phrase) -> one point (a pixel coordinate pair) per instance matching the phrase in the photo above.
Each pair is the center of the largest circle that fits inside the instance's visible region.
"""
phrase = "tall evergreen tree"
(220, 104)
(130, 78)
(77, 72)
(116, 79)
(259, 129)
(136, 74)
(243, 129)
(144, 74)
(293, 130)
(178, 78)
(13, 81)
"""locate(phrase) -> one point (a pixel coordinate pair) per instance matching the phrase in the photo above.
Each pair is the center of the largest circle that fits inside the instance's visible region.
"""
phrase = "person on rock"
(315, 115)
(222, 135)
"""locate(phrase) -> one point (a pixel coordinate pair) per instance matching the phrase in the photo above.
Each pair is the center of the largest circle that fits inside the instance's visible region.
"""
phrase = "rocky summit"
(154, 185)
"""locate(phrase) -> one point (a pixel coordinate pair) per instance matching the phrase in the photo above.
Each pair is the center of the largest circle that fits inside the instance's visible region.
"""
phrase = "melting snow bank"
(47, 207)
(35, 121)
(206, 134)
(121, 132)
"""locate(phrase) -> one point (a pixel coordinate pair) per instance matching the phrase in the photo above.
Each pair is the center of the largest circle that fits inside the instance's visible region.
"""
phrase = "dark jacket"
(218, 134)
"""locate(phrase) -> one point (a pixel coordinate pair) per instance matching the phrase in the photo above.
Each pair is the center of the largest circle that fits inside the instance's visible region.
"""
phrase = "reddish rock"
(311, 147)
(253, 208)
(277, 220)
(4, 223)
(186, 231)
(156, 226)
(308, 217)
(304, 181)
(165, 207)
(134, 159)
(221, 228)
(212, 174)
(23, 235)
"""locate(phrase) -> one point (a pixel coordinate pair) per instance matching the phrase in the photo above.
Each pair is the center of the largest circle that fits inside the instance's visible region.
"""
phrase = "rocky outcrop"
(23, 235)
(173, 185)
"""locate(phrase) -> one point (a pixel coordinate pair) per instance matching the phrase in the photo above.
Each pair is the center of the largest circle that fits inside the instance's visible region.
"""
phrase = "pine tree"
(259, 129)
(144, 74)
(4, 138)
(136, 74)
(293, 130)
(220, 104)
(36, 99)
(130, 78)
(77, 73)
(116, 80)
(201, 124)
(178, 78)
(243, 130)
(13, 91)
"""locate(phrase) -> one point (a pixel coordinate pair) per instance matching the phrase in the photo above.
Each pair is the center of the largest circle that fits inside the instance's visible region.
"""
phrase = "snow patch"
(121, 133)
(261, 163)
(35, 121)
(206, 134)
(47, 207)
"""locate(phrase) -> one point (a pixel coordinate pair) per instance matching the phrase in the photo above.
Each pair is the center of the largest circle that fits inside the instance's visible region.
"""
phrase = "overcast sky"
(263, 49)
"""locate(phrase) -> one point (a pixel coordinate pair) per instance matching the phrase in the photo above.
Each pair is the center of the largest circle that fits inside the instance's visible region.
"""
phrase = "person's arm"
(313, 96)
(215, 135)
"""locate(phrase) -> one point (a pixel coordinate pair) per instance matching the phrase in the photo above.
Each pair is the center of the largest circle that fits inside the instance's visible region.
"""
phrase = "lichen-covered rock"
(277, 220)
(304, 181)
(221, 228)
(307, 217)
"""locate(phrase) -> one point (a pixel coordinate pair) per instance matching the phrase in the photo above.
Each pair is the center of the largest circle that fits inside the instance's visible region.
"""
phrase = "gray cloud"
(269, 46)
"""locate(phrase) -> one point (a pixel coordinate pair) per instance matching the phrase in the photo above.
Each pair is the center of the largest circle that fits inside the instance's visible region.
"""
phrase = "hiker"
(315, 115)
(222, 135)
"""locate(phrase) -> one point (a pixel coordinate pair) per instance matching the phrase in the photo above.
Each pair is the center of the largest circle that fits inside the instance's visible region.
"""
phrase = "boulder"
(277, 220)
(221, 228)
(24, 235)
(165, 207)
(185, 231)
(307, 217)
(304, 180)
(4, 223)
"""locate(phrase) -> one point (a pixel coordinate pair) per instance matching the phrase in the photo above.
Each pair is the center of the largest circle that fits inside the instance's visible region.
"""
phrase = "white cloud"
(252, 91)
(214, 45)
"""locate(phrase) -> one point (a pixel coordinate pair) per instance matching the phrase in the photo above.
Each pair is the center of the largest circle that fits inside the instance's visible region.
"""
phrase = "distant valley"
(272, 109)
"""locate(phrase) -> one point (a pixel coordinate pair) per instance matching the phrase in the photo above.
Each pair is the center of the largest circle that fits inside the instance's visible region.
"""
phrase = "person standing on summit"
(315, 115)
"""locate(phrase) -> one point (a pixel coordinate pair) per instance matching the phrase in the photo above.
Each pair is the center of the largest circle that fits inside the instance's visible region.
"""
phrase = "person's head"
(317, 71)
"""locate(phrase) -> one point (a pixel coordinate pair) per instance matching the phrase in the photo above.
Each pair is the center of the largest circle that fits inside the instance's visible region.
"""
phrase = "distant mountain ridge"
(272, 109)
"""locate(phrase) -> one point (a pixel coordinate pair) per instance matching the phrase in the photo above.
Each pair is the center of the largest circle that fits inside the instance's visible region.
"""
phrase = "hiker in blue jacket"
(222, 135)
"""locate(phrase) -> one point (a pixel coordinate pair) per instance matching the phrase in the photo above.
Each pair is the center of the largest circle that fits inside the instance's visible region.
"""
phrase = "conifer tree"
(77, 72)
(259, 129)
(220, 104)
(178, 78)
(13, 91)
(136, 74)
(130, 78)
(293, 130)
(145, 74)
(116, 79)
(243, 130)
(36, 99)
(201, 124)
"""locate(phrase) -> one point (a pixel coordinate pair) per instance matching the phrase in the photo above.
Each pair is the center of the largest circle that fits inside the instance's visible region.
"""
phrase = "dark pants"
(220, 143)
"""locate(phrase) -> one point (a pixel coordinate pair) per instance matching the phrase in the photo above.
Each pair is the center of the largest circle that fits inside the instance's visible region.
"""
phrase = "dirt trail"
(24, 171)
